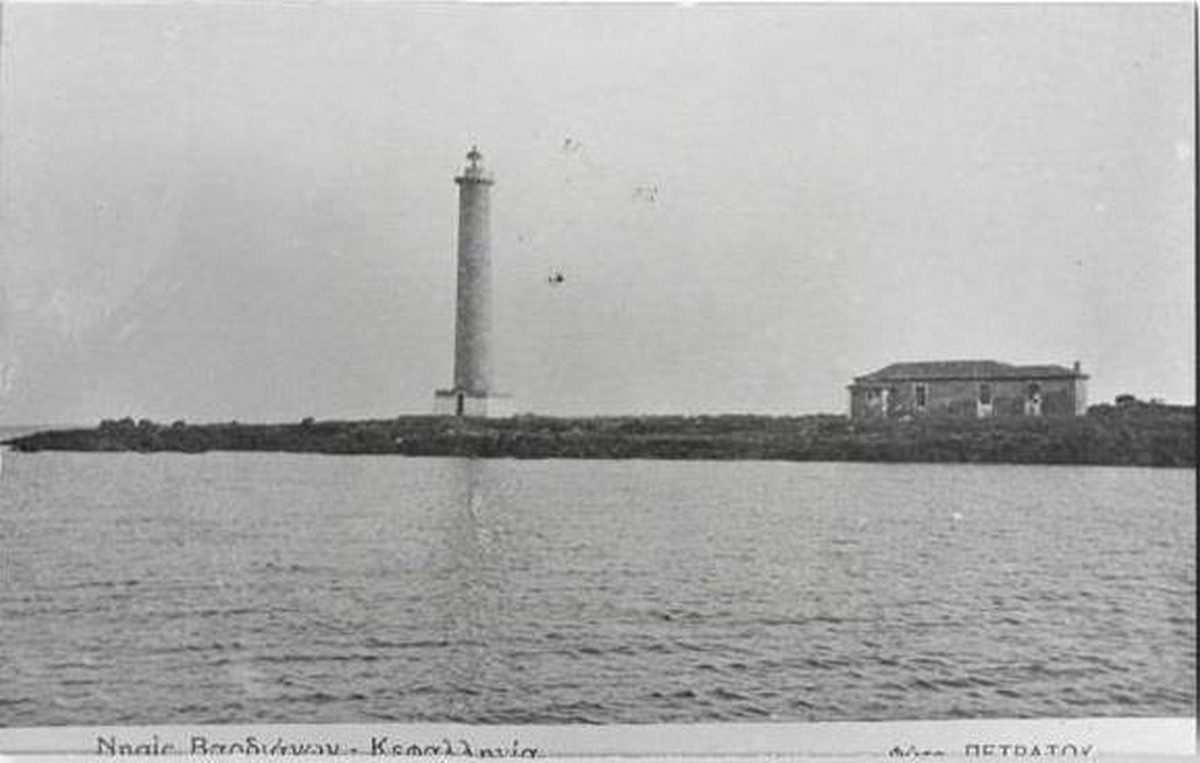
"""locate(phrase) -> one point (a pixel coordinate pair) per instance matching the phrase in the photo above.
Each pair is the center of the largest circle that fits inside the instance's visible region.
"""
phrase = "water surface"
(261, 587)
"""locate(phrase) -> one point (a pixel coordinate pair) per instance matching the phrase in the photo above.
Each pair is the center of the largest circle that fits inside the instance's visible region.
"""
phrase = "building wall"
(1080, 394)
(446, 403)
(960, 397)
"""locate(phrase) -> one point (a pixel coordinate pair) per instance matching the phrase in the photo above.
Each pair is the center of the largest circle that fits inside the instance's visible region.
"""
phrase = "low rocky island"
(1138, 434)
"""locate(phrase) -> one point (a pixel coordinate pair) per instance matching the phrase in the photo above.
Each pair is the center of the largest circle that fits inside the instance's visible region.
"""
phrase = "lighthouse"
(472, 393)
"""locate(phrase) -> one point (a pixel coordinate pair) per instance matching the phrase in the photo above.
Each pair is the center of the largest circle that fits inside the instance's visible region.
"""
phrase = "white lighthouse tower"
(472, 393)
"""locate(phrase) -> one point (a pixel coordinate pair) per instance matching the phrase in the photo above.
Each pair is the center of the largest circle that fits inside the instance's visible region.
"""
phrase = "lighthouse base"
(452, 402)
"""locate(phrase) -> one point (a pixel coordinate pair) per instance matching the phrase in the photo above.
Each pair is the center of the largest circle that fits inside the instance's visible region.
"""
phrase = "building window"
(921, 392)
(985, 394)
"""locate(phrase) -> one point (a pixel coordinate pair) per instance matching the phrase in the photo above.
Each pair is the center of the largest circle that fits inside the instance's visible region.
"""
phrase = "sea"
(265, 587)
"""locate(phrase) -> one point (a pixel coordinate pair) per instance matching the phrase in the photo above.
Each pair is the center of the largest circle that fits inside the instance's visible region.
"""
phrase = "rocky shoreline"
(1139, 435)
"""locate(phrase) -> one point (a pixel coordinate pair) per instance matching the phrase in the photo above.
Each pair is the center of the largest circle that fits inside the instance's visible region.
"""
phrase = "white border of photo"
(982, 740)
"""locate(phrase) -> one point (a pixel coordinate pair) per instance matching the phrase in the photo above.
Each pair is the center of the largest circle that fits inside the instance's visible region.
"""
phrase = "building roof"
(966, 369)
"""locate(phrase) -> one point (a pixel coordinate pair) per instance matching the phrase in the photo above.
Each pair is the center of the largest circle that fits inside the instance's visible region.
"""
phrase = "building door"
(1033, 400)
(983, 407)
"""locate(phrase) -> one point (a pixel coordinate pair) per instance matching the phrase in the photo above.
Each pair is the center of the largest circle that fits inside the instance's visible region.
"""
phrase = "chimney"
(1075, 367)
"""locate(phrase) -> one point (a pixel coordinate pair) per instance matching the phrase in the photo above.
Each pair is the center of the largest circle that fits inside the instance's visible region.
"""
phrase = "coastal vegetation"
(1131, 434)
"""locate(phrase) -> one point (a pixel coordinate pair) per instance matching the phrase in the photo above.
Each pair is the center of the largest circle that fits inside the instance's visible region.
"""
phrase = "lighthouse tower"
(472, 393)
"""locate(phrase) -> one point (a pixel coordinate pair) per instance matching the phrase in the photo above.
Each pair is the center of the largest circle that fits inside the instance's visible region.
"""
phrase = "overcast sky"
(248, 210)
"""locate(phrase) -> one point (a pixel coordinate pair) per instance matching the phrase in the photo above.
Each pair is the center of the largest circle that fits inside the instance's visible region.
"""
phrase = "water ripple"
(576, 592)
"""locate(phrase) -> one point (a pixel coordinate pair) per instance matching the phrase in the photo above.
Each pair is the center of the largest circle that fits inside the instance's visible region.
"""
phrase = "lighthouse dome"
(474, 170)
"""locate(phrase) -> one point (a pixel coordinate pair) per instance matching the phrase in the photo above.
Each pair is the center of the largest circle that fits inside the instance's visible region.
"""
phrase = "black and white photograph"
(596, 366)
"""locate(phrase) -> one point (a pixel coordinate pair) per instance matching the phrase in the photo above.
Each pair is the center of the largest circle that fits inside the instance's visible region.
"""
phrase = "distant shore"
(1136, 435)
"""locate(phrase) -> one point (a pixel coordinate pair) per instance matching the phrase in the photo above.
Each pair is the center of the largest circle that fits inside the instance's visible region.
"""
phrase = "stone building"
(969, 389)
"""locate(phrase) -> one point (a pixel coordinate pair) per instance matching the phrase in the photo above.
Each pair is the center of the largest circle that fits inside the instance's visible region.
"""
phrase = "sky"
(216, 211)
